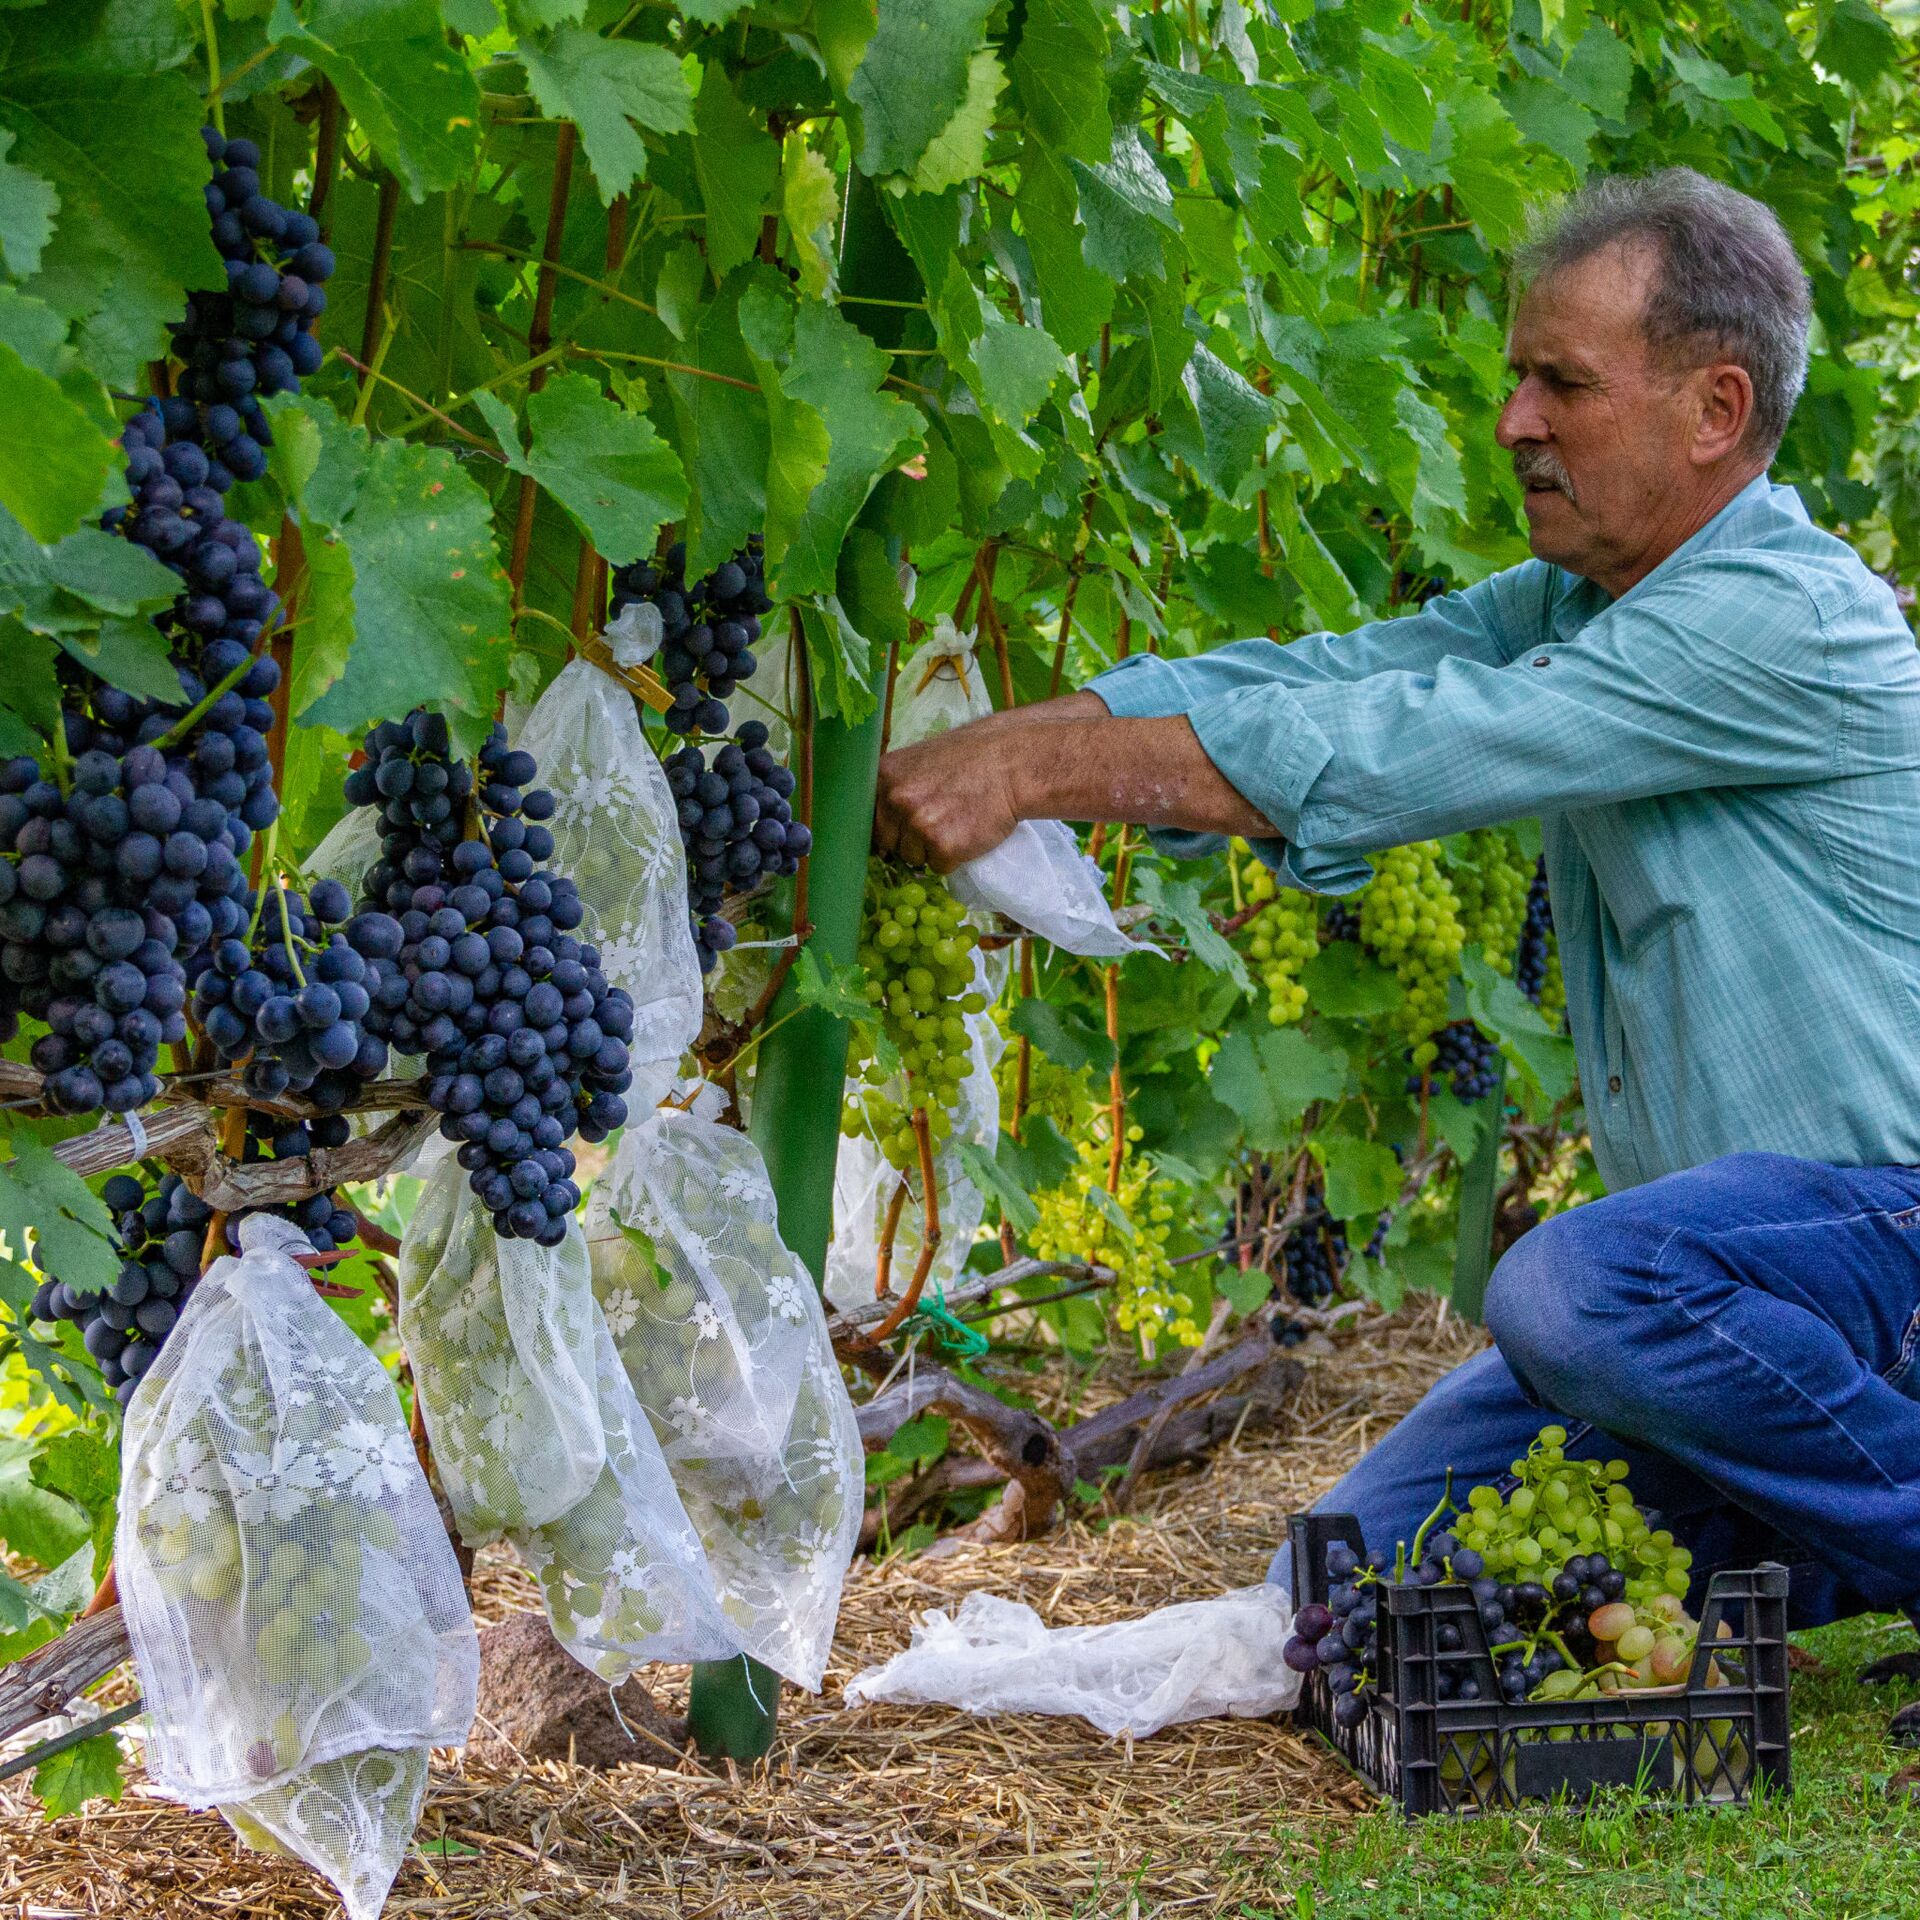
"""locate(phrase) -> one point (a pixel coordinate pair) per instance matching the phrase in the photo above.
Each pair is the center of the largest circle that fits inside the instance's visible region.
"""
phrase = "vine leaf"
(992, 1179)
(614, 475)
(66, 1781)
(35, 1521)
(409, 91)
(838, 989)
(1362, 1176)
(725, 443)
(1128, 210)
(1268, 1080)
(1040, 1159)
(1064, 1034)
(27, 207)
(738, 167)
(425, 619)
(73, 1229)
(1059, 71)
(959, 150)
(1545, 1057)
(1179, 900)
(94, 106)
(604, 87)
(911, 78)
(810, 202)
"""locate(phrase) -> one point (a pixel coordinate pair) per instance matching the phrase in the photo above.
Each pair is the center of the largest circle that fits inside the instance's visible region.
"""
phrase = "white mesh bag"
(351, 846)
(622, 1572)
(721, 1334)
(290, 1594)
(616, 832)
(500, 1335)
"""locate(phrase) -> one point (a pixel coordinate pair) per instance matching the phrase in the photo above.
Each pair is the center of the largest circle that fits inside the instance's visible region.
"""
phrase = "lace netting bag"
(500, 1334)
(622, 1572)
(722, 1336)
(290, 1594)
(616, 831)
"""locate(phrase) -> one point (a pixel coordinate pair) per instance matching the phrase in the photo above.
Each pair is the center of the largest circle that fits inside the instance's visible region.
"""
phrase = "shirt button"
(1543, 660)
(1613, 1084)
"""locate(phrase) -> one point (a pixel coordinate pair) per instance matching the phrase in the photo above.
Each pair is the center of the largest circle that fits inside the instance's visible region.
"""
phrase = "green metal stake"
(1479, 1184)
(802, 1069)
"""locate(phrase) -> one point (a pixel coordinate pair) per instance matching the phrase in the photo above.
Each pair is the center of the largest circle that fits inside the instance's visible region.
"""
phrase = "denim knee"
(1553, 1305)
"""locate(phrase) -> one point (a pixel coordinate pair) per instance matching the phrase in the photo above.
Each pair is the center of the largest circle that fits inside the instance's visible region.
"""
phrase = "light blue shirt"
(1726, 765)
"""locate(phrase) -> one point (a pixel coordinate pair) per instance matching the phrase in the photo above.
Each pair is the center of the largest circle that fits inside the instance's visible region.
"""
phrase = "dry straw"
(921, 1813)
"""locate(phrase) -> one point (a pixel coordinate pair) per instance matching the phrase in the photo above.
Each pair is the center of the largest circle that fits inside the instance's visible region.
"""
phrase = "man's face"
(1600, 434)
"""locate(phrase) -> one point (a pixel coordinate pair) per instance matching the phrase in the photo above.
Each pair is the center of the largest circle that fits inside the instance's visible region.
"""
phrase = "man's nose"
(1521, 418)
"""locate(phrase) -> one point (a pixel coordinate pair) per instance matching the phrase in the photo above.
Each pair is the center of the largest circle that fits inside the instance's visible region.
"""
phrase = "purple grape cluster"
(525, 1041)
(708, 630)
(160, 1223)
(1530, 957)
(1467, 1061)
(254, 337)
(736, 821)
(293, 1003)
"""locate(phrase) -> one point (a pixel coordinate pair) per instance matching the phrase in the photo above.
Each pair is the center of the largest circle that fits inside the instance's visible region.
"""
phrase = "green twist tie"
(967, 1341)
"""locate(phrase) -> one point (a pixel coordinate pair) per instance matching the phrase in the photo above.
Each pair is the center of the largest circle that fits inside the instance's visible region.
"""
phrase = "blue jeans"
(1746, 1335)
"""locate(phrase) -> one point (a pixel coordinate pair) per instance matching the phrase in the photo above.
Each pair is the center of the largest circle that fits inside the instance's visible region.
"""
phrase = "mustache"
(1537, 465)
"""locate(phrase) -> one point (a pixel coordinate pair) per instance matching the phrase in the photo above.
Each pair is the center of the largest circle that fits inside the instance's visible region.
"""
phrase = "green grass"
(1838, 1848)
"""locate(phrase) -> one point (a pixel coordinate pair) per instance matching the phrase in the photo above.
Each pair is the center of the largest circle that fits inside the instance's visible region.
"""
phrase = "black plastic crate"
(1694, 1746)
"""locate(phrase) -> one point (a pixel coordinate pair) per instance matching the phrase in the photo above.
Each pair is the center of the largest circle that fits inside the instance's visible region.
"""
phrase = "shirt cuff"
(1268, 749)
(1141, 687)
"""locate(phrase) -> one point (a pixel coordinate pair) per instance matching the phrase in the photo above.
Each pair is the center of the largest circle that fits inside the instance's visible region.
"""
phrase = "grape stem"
(929, 1233)
(266, 866)
(193, 715)
(1445, 1505)
(286, 929)
(214, 101)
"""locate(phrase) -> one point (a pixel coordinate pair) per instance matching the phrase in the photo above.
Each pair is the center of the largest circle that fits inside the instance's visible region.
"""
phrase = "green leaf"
(841, 658)
(1128, 208)
(69, 1779)
(724, 435)
(835, 431)
(1511, 1018)
(54, 460)
(617, 479)
(39, 1523)
(819, 980)
(605, 86)
(1345, 981)
(407, 90)
(1547, 114)
(738, 167)
(1857, 43)
(1041, 1158)
(993, 1180)
(71, 1225)
(810, 205)
(81, 1467)
(924, 1438)
(1362, 1176)
(95, 106)
(27, 207)
(1243, 1288)
(959, 150)
(131, 654)
(1234, 419)
(1270, 1079)
(1458, 1124)
(1733, 91)
(912, 77)
(1059, 72)
(870, 590)
(428, 618)
(1103, 1202)
(1180, 901)
(1076, 299)
(1066, 1035)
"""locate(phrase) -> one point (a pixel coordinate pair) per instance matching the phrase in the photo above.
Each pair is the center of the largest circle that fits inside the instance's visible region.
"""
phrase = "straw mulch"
(922, 1813)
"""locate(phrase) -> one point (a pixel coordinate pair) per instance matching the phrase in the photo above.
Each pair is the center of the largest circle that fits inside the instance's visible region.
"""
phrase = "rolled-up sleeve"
(1713, 675)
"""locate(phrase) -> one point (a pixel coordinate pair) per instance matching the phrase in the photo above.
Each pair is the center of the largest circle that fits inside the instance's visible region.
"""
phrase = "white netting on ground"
(290, 1594)
(500, 1335)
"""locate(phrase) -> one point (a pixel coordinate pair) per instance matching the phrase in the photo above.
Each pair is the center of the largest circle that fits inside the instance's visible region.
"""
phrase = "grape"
(254, 337)
(1409, 916)
(916, 951)
(525, 1042)
(159, 1223)
(708, 630)
(294, 1003)
(1537, 961)
(1463, 1057)
(1280, 939)
(327, 1224)
(737, 824)
(1489, 876)
(1340, 922)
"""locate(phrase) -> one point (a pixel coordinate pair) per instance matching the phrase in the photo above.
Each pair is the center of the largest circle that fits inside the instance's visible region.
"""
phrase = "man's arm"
(1716, 677)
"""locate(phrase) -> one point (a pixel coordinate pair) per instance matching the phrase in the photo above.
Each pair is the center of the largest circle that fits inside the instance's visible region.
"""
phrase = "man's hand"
(957, 796)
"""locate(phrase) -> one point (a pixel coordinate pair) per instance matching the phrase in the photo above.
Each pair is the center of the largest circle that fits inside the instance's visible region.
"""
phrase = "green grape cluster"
(1562, 1508)
(916, 950)
(1126, 1231)
(1410, 917)
(1281, 938)
(1491, 882)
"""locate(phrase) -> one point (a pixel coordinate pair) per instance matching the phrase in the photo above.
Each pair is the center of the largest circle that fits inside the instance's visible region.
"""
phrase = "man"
(1715, 710)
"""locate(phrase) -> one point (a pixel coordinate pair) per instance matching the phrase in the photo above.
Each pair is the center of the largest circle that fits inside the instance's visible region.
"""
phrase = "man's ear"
(1724, 396)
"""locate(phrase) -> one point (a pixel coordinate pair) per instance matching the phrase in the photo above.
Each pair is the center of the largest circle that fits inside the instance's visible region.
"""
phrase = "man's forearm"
(1150, 772)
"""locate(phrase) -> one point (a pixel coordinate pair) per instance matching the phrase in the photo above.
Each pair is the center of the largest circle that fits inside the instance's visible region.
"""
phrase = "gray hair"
(1728, 286)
